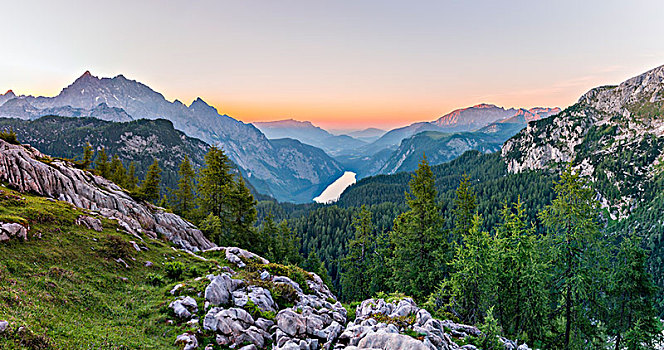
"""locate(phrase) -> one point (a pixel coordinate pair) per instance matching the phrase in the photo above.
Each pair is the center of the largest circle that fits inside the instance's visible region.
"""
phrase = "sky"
(340, 64)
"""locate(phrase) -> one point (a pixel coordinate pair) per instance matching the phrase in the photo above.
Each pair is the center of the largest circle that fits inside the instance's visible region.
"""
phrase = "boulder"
(184, 307)
(391, 341)
(12, 231)
(3, 326)
(187, 340)
(219, 291)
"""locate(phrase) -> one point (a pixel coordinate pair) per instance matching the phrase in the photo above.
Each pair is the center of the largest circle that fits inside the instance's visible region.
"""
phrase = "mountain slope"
(307, 133)
(438, 147)
(614, 134)
(243, 143)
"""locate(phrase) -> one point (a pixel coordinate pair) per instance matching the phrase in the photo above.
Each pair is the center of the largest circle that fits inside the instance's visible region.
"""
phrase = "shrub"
(115, 247)
(155, 279)
(9, 136)
(174, 269)
(297, 274)
(256, 312)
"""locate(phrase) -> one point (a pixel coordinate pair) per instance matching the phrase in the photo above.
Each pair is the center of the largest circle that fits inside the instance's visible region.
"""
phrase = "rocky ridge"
(613, 134)
(240, 312)
(26, 169)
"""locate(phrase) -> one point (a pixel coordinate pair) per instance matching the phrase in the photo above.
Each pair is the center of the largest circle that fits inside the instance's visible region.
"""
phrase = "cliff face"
(613, 134)
(28, 170)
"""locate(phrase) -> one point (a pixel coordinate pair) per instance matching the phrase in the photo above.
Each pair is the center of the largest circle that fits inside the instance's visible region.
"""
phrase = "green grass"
(67, 290)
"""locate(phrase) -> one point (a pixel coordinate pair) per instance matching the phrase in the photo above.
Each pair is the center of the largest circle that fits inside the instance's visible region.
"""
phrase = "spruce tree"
(473, 278)
(522, 276)
(101, 164)
(242, 214)
(132, 180)
(421, 249)
(184, 200)
(577, 253)
(88, 154)
(290, 243)
(117, 171)
(465, 208)
(632, 316)
(215, 184)
(355, 280)
(150, 186)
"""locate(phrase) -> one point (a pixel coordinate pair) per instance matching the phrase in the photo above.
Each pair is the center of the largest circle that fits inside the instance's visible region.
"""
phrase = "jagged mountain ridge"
(613, 134)
(244, 144)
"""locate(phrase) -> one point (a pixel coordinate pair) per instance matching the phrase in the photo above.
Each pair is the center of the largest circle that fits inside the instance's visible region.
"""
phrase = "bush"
(115, 247)
(9, 136)
(174, 269)
(155, 279)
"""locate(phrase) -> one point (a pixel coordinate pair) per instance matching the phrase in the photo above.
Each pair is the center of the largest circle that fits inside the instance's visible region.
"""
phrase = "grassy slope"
(70, 294)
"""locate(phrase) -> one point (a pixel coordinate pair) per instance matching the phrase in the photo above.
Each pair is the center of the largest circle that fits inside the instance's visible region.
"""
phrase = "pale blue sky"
(341, 63)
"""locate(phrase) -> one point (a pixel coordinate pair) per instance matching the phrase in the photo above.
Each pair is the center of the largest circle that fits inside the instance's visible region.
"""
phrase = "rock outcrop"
(28, 170)
(240, 312)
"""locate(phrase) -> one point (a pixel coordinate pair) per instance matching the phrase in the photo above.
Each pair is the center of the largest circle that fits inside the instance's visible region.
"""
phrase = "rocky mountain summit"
(27, 170)
(612, 134)
(120, 99)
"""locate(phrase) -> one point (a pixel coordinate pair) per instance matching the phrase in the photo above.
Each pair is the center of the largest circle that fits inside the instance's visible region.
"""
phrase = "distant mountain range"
(307, 133)
(287, 174)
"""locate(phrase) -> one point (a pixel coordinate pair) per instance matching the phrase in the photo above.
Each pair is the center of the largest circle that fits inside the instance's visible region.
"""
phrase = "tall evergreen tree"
(355, 280)
(577, 254)
(184, 200)
(465, 208)
(132, 180)
(632, 314)
(88, 154)
(473, 278)
(117, 171)
(101, 164)
(290, 243)
(242, 213)
(522, 276)
(150, 186)
(215, 184)
(421, 250)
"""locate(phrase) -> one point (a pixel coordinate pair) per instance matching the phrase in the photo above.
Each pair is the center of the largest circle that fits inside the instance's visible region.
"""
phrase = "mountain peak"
(9, 93)
(86, 74)
(485, 105)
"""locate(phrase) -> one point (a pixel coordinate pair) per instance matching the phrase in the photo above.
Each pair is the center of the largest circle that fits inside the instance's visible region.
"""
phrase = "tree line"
(570, 286)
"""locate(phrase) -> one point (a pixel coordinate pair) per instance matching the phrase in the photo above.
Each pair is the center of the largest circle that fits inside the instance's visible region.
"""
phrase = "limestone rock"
(219, 292)
(12, 231)
(89, 222)
(21, 169)
(184, 307)
(187, 340)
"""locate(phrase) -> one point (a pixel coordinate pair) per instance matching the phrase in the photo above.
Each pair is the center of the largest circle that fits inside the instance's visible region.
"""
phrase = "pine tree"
(522, 299)
(132, 180)
(577, 254)
(150, 186)
(290, 243)
(473, 278)
(315, 265)
(242, 214)
(117, 171)
(215, 184)
(88, 154)
(632, 316)
(465, 208)
(101, 164)
(355, 281)
(184, 200)
(421, 249)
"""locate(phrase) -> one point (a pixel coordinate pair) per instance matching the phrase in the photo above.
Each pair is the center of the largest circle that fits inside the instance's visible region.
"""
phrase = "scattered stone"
(89, 223)
(148, 264)
(120, 261)
(3, 326)
(138, 249)
(188, 340)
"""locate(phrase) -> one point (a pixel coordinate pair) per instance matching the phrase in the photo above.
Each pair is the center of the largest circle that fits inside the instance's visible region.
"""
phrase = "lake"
(332, 193)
